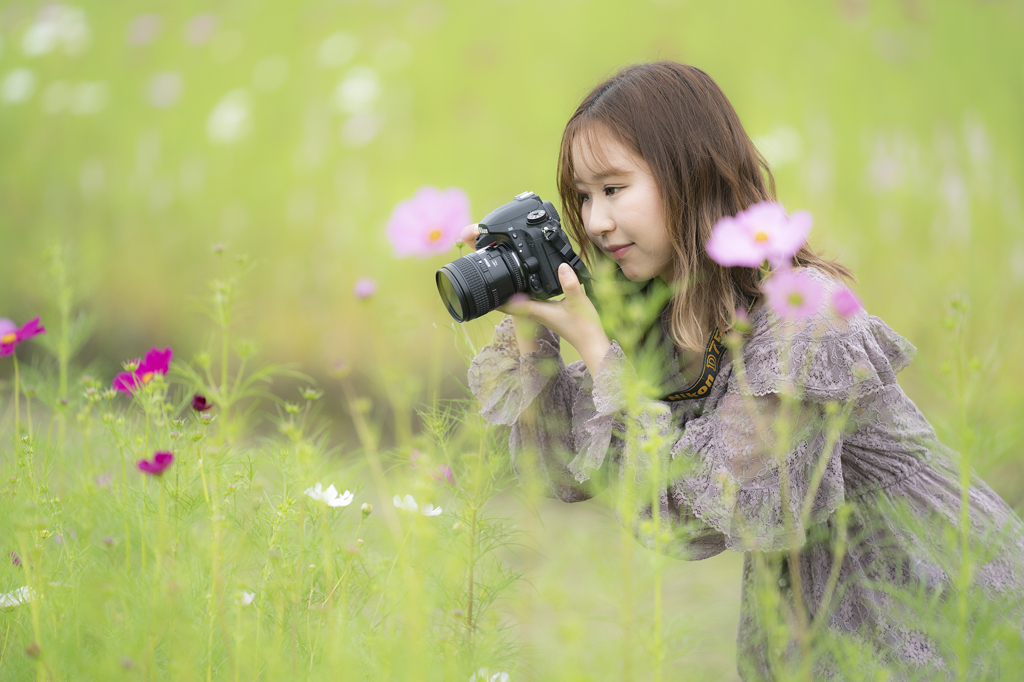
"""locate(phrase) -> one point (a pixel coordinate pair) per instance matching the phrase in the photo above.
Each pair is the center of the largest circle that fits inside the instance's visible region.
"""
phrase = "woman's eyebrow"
(598, 177)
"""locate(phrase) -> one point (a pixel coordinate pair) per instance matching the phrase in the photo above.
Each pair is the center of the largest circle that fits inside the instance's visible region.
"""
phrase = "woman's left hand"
(574, 318)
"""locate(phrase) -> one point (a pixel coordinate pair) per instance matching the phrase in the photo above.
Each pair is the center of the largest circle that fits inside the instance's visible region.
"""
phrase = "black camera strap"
(709, 368)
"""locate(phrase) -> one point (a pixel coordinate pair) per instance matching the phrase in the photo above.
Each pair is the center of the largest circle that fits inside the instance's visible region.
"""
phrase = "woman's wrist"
(593, 354)
(526, 334)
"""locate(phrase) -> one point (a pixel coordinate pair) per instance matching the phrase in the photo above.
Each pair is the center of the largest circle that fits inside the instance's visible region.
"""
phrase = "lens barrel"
(479, 282)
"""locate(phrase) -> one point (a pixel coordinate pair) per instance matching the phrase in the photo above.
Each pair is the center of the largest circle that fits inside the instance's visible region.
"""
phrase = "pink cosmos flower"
(429, 223)
(793, 295)
(364, 288)
(761, 232)
(156, 362)
(846, 303)
(11, 335)
(442, 472)
(156, 466)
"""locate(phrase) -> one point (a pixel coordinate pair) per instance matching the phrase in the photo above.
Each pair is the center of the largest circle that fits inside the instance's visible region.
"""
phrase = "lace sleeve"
(543, 400)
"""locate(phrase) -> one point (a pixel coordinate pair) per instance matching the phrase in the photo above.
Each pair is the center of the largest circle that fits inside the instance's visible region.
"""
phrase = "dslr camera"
(519, 249)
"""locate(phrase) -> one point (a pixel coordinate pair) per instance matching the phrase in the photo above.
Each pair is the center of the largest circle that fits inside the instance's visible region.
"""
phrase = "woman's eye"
(583, 197)
(609, 191)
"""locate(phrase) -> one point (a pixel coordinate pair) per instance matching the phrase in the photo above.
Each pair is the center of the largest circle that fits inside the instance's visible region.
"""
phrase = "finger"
(570, 283)
(469, 234)
(517, 305)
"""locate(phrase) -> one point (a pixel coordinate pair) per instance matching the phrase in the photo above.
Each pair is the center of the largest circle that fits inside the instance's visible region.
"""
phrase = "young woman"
(650, 161)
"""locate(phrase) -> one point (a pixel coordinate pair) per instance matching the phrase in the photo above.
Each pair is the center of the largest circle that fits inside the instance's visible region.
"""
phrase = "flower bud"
(457, 526)
(291, 408)
(175, 435)
(129, 366)
(366, 509)
(311, 394)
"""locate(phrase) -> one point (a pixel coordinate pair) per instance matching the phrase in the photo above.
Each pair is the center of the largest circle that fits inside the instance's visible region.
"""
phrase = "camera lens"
(477, 283)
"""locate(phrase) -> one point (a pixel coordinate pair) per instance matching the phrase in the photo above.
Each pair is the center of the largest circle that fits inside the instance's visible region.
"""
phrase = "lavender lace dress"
(887, 458)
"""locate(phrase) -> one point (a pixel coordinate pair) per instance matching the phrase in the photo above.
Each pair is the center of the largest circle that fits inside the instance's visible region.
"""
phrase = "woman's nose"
(600, 220)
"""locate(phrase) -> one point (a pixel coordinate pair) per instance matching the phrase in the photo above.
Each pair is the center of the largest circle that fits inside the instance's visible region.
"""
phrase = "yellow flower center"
(434, 235)
(9, 338)
(146, 377)
(761, 237)
(795, 300)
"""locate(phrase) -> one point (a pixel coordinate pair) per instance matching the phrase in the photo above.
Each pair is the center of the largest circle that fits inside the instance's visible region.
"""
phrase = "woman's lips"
(620, 251)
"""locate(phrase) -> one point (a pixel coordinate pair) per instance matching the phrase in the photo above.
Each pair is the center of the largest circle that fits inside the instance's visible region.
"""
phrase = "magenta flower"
(200, 403)
(763, 232)
(11, 335)
(156, 466)
(364, 288)
(156, 362)
(15, 559)
(846, 303)
(429, 223)
(793, 295)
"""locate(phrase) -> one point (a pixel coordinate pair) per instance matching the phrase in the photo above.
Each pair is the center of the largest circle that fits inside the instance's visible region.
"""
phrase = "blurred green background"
(141, 134)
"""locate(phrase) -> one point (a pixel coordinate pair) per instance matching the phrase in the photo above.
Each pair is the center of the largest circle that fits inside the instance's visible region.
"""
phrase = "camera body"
(519, 249)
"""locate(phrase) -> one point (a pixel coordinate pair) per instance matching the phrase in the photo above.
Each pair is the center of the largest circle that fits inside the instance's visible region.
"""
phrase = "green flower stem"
(17, 399)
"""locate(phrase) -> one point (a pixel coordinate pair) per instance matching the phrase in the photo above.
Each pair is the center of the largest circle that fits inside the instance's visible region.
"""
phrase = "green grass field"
(136, 137)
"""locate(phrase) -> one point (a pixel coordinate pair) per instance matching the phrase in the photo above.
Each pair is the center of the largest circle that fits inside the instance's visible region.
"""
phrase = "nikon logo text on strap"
(709, 368)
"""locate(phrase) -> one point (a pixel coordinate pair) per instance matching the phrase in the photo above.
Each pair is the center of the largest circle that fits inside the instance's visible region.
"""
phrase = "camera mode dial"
(538, 216)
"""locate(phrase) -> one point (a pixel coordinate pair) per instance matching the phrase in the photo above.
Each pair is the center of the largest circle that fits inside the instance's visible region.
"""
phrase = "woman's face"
(622, 209)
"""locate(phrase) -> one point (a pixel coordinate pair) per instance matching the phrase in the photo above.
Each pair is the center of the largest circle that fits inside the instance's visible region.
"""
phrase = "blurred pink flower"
(156, 362)
(11, 335)
(164, 89)
(144, 29)
(442, 472)
(846, 303)
(156, 466)
(793, 295)
(761, 232)
(365, 288)
(429, 223)
(201, 28)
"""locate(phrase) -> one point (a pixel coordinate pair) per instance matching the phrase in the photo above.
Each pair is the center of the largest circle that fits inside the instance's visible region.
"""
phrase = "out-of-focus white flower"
(270, 73)
(18, 86)
(330, 496)
(430, 510)
(246, 598)
(484, 675)
(16, 598)
(164, 89)
(780, 146)
(57, 26)
(88, 98)
(358, 90)
(409, 504)
(231, 119)
(360, 129)
(337, 49)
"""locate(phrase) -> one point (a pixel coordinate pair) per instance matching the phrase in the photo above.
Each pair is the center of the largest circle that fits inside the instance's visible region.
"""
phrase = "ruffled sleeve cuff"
(596, 412)
(505, 382)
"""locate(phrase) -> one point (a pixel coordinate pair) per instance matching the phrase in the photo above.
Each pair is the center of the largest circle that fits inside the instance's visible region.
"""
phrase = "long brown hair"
(677, 119)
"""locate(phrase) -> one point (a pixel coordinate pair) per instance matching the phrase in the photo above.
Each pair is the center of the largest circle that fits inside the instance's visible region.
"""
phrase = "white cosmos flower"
(16, 598)
(484, 675)
(409, 504)
(430, 510)
(246, 598)
(330, 496)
